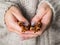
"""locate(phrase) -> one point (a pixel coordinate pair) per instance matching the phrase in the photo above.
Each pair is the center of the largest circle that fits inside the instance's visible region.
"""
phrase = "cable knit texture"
(28, 7)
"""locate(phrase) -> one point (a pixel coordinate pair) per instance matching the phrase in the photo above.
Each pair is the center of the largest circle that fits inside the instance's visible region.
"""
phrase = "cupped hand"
(43, 14)
(12, 16)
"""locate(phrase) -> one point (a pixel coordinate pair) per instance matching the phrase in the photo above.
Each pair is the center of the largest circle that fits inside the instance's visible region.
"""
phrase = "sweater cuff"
(4, 6)
(51, 6)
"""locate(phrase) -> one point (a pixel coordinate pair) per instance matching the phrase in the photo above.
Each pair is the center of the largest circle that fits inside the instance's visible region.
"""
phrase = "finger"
(11, 22)
(17, 32)
(32, 33)
(46, 20)
(17, 13)
(13, 30)
(40, 13)
(29, 32)
(29, 36)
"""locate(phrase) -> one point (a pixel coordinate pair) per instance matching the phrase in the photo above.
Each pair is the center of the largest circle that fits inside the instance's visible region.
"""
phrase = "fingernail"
(32, 23)
(25, 23)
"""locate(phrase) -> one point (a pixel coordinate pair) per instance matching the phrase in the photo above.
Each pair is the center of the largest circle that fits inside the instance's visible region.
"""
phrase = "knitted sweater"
(28, 7)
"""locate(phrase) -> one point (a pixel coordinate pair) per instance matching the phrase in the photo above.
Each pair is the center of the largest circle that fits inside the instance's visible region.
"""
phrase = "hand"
(11, 17)
(44, 14)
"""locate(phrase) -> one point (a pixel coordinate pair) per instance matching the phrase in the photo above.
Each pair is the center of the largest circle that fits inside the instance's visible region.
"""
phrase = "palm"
(45, 20)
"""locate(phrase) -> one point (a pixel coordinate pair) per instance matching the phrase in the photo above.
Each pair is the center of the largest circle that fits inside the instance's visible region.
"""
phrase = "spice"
(34, 28)
(38, 26)
(22, 26)
(23, 29)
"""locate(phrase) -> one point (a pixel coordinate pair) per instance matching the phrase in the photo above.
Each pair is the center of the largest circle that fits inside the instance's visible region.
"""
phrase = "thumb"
(17, 13)
(41, 11)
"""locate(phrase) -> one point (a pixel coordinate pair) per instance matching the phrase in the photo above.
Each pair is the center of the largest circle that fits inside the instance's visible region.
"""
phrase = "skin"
(44, 14)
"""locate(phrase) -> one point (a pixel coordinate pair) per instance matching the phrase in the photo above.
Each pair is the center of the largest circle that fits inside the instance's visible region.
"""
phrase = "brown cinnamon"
(35, 28)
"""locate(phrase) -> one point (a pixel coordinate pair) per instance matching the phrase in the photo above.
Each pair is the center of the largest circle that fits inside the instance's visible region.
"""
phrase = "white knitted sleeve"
(54, 5)
(4, 6)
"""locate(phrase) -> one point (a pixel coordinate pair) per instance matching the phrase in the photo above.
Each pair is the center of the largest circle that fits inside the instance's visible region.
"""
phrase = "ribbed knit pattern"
(50, 37)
